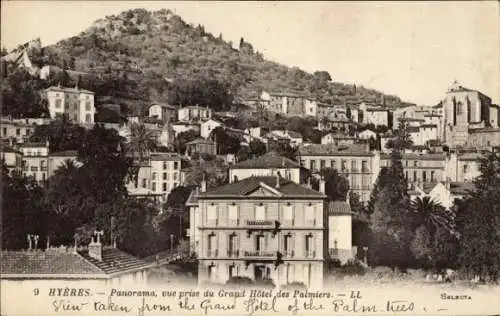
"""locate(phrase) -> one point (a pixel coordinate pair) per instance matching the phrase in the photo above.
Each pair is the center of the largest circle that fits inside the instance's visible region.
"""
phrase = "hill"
(151, 50)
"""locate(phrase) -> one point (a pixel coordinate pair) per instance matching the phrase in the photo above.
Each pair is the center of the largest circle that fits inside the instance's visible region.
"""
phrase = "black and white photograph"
(250, 158)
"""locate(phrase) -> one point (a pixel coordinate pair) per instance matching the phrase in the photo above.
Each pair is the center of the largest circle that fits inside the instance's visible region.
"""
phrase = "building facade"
(77, 104)
(194, 113)
(164, 112)
(35, 160)
(356, 163)
(262, 228)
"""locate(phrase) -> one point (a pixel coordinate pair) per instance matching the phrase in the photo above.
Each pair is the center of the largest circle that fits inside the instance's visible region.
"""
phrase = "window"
(211, 273)
(432, 176)
(232, 271)
(66, 104)
(87, 118)
(414, 176)
(259, 243)
(144, 183)
(153, 186)
(153, 176)
(233, 244)
(288, 212)
(87, 106)
(28, 153)
(260, 212)
(211, 213)
(175, 176)
(4, 131)
(466, 167)
(58, 103)
(287, 243)
(309, 245)
(334, 164)
(165, 176)
(313, 165)
(164, 165)
(424, 176)
(176, 165)
(232, 213)
(18, 132)
(415, 163)
(406, 174)
(164, 187)
(354, 165)
(322, 164)
(364, 166)
(343, 163)
(309, 214)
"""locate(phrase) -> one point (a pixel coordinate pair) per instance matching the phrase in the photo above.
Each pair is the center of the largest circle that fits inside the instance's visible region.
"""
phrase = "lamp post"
(171, 244)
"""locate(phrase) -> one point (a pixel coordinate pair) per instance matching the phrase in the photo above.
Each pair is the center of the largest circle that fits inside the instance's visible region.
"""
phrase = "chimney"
(277, 180)
(203, 184)
(322, 184)
(95, 248)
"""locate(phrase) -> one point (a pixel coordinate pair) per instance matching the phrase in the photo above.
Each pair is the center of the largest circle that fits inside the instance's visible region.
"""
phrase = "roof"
(416, 156)
(339, 136)
(68, 90)
(294, 134)
(165, 156)
(288, 94)
(194, 107)
(8, 149)
(65, 153)
(339, 207)
(333, 150)
(269, 160)
(46, 264)
(243, 189)
(164, 105)
(461, 188)
(470, 156)
(485, 130)
(429, 125)
(193, 197)
(34, 145)
(200, 140)
(115, 261)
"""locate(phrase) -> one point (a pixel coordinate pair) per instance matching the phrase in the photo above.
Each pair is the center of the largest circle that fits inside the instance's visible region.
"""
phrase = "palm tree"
(141, 141)
(431, 214)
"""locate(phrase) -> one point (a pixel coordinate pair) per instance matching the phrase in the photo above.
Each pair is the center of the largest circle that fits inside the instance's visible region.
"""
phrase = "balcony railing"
(212, 253)
(365, 170)
(260, 223)
(259, 253)
(212, 222)
(310, 222)
(233, 222)
(288, 222)
(233, 253)
(288, 254)
(43, 168)
(310, 254)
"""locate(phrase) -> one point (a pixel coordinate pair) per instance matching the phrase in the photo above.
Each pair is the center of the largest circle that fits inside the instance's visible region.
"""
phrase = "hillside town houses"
(266, 221)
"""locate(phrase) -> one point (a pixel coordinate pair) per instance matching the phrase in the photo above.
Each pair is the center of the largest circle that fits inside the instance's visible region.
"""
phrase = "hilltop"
(154, 49)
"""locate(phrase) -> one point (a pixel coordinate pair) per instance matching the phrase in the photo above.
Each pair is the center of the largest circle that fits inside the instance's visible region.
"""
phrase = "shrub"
(295, 285)
(240, 280)
(265, 283)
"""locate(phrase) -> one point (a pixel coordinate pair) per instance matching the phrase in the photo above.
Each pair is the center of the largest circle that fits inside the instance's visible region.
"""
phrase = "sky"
(411, 49)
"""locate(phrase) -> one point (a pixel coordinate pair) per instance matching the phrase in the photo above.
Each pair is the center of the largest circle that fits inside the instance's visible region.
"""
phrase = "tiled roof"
(115, 261)
(200, 141)
(193, 197)
(65, 153)
(268, 160)
(339, 207)
(241, 189)
(333, 150)
(46, 264)
(461, 188)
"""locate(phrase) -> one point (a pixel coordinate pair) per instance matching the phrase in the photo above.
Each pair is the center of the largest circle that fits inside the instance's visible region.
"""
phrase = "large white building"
(77, 104)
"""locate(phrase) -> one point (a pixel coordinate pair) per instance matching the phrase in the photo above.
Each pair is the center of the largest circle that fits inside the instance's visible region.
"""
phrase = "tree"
(226, 143)
(336, 186)
(141, 142)
(257, 147)
(61, 133)
(478, 223)
(391, 230)
(183, 138)
(430, 214)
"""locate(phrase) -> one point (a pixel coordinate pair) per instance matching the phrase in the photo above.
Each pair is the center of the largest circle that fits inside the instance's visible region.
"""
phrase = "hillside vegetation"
(154, 49)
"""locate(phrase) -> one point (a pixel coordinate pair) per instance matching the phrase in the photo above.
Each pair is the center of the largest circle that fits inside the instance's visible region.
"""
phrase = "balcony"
(365, 170)
(260, 223)
(233, 222)
(289, 254)
(288, 223)
(212, 253)
(212, 222)
(260, 253)
(233, 253)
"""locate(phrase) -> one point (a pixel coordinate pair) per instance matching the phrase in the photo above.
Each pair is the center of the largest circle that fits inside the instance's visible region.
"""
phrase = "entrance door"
(260, 272)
